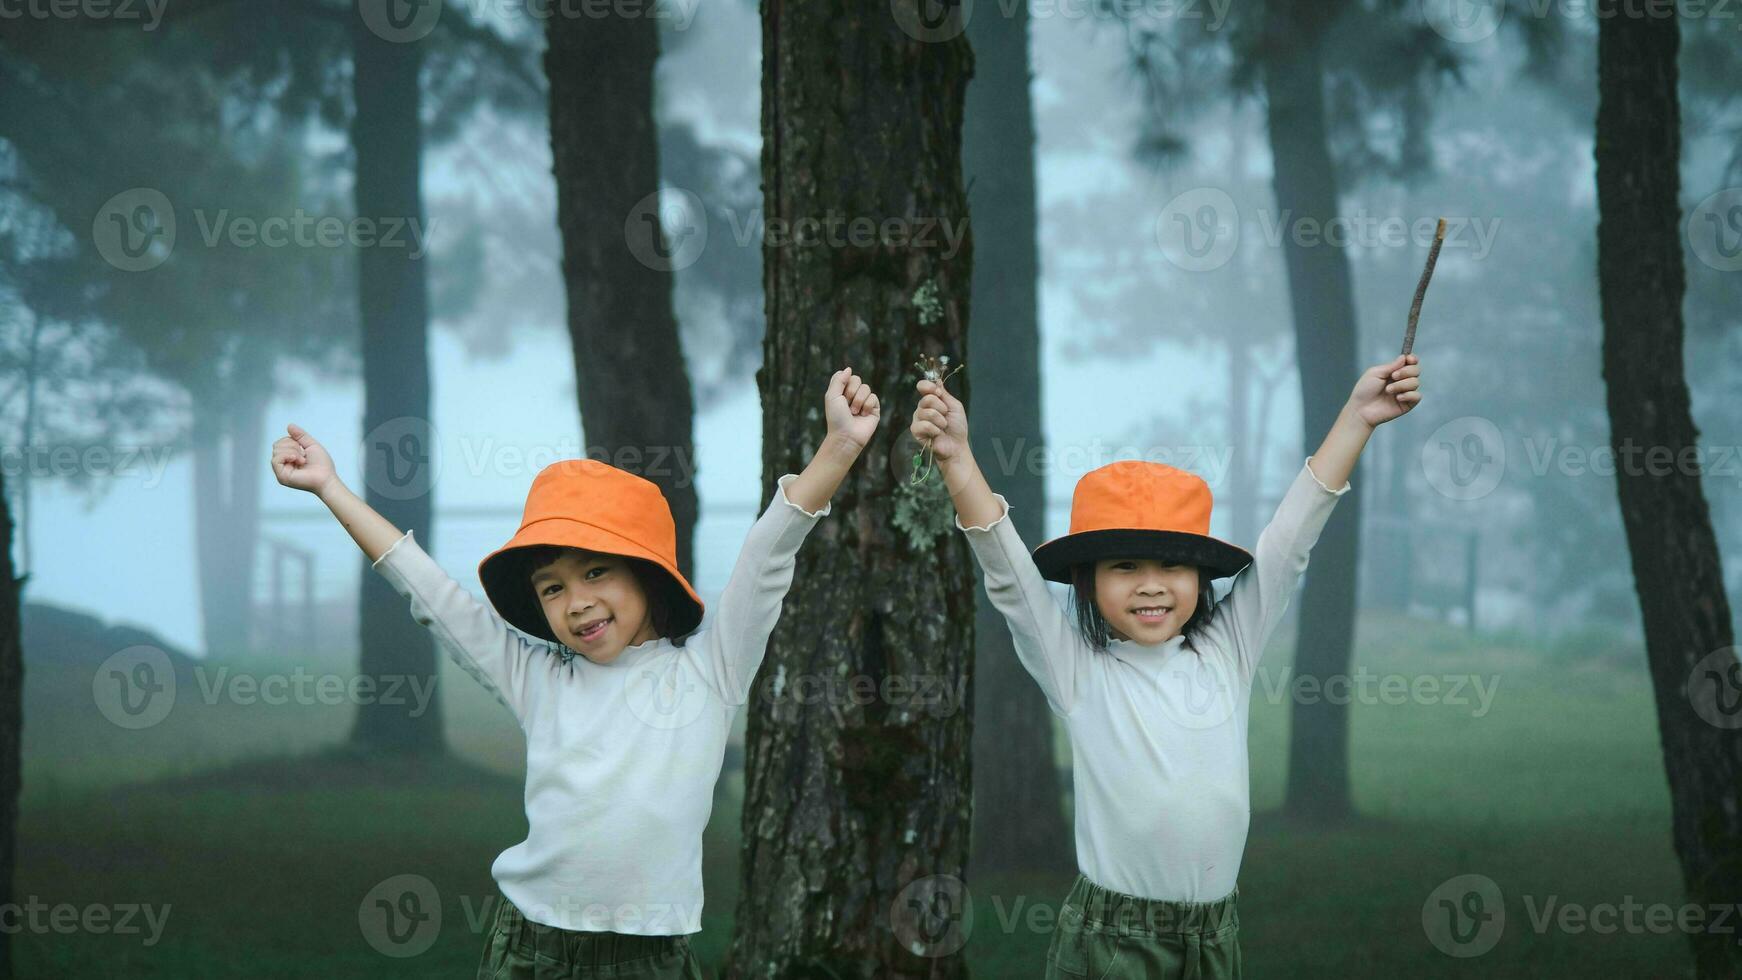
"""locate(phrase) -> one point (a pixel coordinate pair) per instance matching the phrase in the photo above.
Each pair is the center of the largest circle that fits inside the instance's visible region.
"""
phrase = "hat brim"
(507, 582)
(1055, 558)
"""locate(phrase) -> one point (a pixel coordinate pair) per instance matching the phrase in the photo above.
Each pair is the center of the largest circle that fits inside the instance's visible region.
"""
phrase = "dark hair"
(1093, 626)
(667, 603)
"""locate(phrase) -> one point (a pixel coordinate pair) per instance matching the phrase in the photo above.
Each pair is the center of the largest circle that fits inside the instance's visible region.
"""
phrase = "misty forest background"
(590, 184)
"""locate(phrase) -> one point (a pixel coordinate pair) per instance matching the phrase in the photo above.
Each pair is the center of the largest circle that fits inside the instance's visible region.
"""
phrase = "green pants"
(1104, 934)
(520, 949)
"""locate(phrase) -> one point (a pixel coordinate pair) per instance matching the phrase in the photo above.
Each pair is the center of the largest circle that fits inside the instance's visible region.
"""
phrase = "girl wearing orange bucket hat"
(1151, 678)
(591, 638)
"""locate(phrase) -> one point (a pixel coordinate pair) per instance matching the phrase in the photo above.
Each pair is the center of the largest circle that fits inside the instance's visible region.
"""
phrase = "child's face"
(1130, 591)
(593, 604)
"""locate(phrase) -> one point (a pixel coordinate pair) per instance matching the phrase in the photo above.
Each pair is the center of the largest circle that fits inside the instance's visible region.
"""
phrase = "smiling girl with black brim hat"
(588, 639)
(1152, 680)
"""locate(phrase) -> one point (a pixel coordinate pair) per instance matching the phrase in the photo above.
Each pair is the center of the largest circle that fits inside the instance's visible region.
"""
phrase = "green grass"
(262, 839)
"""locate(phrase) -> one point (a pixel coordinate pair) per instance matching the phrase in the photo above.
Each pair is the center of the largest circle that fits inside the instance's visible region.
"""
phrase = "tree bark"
(399, 448)
(1019, 819)
(1676, 567)
(857, 809)
(1321, 301)
(11, 720)
(636, 404)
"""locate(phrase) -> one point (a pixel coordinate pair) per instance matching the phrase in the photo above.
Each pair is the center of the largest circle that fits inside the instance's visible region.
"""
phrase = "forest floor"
(239, 839)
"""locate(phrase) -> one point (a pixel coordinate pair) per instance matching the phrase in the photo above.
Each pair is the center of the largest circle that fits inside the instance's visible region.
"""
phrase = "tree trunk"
(1321, 301)
(857, 809)
(227, 448)
(32, 370)
(1676, 566)
(398, 442)
(636, 405)
(1019, 819)
(11, 721)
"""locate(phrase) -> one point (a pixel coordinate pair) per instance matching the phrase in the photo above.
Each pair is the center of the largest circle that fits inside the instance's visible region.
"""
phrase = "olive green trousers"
(1104, 934)
(520, 949)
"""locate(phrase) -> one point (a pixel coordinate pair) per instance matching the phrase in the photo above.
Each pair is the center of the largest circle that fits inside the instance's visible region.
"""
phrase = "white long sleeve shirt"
(621, 758)
(1158, 733)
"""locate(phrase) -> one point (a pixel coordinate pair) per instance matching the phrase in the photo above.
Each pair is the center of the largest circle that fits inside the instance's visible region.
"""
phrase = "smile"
(592, 630)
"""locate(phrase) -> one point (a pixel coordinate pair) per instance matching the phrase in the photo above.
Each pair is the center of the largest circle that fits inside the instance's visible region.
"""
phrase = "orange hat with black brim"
(1137, 509)
(583, 503)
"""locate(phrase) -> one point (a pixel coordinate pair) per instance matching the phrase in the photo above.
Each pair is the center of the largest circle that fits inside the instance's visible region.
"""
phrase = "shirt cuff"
(376, 564)
(780, 494)
(1335, 493)
(1005, 515)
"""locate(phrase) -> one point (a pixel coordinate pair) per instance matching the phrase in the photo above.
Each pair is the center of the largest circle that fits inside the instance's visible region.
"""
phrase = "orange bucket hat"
(1137, 509)
(583, 503)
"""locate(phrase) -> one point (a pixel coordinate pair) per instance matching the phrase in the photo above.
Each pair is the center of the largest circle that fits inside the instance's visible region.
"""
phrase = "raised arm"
(733, 644)
(1382, 393)
(1046, 643)
(301, 463)
(475, 637)
(1245, 619)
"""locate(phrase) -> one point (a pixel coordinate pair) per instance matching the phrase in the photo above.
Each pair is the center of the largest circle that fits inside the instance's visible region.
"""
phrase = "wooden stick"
(1433, 255)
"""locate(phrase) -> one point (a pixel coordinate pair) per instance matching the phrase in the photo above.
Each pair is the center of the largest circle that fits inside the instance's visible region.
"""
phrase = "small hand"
(940, 421)
(300, 462)
(851, 407)
(1386, 391)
